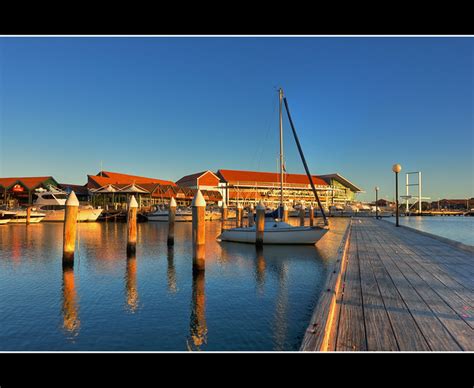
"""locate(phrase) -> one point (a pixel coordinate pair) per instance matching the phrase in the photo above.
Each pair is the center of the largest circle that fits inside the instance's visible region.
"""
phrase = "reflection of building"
(252, 187)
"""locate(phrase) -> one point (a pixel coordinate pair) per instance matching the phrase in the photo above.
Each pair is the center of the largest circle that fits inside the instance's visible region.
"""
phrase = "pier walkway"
(395, 289)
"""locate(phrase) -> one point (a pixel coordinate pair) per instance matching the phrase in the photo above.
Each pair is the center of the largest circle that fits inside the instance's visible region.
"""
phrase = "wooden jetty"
(394, 289)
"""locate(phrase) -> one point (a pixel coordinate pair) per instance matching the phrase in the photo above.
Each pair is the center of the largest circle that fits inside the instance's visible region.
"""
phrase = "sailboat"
(276, 231)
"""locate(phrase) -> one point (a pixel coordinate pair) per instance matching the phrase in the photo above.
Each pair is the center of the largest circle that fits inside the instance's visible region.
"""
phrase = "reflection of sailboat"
(280, 232)
(70, 317)
(198, 326)
(131, 283)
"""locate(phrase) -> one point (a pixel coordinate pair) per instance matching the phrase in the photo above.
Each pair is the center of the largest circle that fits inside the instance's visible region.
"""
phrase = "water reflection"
(198, 326)
(131, 283)
(260, 271)
(69, 308)
(281, 311)
(171, 272)
(257, 300)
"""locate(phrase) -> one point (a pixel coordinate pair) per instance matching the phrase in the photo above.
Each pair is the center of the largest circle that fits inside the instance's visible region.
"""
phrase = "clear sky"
(167, 107)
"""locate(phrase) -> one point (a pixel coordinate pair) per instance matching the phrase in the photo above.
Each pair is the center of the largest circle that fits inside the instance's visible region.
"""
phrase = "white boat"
(19, 217)
(277, 231)
(52, 202)
(182, 215)
(161, 215)
(6, 216)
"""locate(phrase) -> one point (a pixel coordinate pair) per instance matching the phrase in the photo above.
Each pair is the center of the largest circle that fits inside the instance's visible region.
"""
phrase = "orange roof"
(113, 178)
(190, 178)
(268, 177)
(29, 182)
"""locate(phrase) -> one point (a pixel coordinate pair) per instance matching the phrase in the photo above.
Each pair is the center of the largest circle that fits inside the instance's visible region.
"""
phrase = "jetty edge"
(318, 333)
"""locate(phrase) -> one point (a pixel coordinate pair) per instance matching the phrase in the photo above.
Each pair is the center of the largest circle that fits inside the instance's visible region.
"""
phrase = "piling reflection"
(131, 283)
(260, 266)
(69, 308)
(171, 271)
(198, 326)
(281, 312)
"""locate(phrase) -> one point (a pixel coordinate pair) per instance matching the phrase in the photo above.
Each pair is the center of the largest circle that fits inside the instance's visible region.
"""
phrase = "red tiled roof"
(112, 178)
(268, 177)
(190, 178)
(29, 182)
(126, 178)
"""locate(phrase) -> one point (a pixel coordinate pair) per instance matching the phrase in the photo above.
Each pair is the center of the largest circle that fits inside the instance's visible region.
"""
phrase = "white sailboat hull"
(83, 215)
(276, 233)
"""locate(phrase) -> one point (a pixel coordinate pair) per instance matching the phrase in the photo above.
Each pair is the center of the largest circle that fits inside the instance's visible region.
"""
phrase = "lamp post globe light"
(376, 200)
(396, 168)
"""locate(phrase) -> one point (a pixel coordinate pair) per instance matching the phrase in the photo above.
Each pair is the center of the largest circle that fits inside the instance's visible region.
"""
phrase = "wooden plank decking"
(395, 289)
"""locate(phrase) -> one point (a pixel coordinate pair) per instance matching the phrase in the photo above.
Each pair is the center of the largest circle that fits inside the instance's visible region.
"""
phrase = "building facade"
(251, 187)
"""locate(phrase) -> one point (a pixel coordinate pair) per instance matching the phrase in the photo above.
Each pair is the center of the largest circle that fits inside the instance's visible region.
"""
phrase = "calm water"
(453, 227)
(244, 301)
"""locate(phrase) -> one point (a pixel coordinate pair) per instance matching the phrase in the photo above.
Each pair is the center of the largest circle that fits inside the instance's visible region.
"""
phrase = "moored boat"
(19, 217)
(276, 232)
(6, 216)
(53, 202)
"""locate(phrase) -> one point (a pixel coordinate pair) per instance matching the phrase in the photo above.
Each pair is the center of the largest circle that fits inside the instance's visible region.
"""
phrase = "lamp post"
(376, 200)
(396, 168)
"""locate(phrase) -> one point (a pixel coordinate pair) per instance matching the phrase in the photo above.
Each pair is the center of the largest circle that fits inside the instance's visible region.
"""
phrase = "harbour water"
(245, 300)
(453, 227)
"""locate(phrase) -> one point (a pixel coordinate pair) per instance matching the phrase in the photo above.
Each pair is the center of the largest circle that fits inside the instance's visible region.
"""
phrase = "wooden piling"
(199, 237)
(132, 225)
(260, 225)
(238, 215)
(302, 215)
(70, 230)
(311, 215)
(224, 215)
(171, 221)
(250, 216)
(28, 215)
(285, 213)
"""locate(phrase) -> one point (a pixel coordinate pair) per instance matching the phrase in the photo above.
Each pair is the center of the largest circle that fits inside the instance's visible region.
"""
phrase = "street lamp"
(376, 200)
(396, 168)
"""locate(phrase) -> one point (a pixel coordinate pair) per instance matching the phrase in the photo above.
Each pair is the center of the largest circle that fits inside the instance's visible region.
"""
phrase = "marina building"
(113, 190)
(19, 191)
(250, 187)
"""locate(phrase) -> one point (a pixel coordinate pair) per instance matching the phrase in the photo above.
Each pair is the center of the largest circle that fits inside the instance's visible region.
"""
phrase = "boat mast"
(280, 92)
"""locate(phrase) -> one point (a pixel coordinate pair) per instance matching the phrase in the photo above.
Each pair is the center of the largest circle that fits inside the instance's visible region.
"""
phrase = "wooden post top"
(224, 205)
(239, 205)
(173, 202)
(198, 200)
(133, 202)
(72, 200)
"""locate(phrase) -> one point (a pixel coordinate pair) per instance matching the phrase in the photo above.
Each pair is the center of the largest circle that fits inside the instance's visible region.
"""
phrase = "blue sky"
(167, 107)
